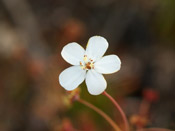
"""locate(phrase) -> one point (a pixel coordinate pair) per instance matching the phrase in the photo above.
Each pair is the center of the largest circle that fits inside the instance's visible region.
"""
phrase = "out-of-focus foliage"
(32, 34)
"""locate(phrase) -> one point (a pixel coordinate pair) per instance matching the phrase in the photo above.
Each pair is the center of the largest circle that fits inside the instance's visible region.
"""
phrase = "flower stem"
(119, 109)
(105, 116)
(144, 108)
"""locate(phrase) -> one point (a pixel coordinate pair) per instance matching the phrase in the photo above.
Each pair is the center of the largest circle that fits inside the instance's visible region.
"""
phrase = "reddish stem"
(144, 108)
(119, 109)
(104, 115)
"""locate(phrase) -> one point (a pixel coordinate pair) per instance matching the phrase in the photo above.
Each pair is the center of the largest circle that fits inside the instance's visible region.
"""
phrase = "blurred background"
(32, 35)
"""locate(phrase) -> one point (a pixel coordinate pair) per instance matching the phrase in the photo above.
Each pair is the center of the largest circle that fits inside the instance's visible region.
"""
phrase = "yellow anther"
(87, 63)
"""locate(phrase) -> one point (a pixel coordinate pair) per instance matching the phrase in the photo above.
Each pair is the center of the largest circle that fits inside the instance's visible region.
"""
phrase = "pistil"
(87, 64)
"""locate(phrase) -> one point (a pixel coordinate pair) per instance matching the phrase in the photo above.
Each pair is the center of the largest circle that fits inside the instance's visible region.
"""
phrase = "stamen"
(87, 63)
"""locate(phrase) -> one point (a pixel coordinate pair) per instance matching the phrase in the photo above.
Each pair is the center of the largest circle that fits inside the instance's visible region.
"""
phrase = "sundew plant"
(89, 65)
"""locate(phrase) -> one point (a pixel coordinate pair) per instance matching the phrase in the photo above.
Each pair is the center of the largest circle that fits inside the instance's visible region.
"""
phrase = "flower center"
(87, 63)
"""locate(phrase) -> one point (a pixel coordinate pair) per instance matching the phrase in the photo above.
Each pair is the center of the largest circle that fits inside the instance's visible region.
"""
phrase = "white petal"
(96, 47)
(108, 64)
(72, 77)
(96, 84)
(73, 53)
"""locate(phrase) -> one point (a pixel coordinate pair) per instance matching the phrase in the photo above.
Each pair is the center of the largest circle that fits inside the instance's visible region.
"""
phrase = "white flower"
(88, 65)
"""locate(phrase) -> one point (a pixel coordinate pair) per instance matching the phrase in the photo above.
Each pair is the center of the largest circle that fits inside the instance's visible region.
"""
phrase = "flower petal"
(96, 47)
(96, 84)
(72, 77)
(108, 64)
(73, 53)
